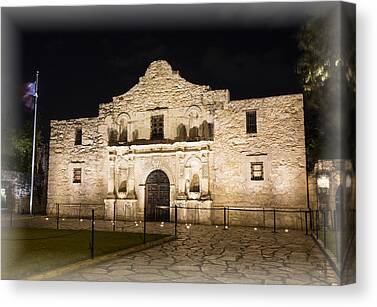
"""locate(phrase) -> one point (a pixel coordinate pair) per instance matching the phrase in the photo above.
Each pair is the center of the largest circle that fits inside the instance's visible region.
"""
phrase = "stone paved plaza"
(206, 254)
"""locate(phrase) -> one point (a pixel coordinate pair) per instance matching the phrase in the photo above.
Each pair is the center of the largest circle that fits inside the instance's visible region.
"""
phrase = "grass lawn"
(28, 251)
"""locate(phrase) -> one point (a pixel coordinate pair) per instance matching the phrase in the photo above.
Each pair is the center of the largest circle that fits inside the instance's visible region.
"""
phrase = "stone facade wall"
(279, 143)
(65, 156)
(204, 141)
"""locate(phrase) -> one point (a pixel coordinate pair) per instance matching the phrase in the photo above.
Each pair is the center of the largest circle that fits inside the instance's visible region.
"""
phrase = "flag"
(29, 94)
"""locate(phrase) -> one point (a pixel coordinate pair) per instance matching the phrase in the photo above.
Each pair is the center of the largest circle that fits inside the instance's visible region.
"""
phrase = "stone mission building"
(170, 142)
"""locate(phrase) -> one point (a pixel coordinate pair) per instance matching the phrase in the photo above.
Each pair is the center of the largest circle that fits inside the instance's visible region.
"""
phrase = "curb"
(88, 262)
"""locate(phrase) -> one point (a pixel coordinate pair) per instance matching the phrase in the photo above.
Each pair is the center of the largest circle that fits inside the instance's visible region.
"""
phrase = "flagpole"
(34, 137)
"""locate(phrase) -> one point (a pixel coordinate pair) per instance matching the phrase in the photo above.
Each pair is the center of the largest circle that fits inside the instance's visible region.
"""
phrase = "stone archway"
(157, 193)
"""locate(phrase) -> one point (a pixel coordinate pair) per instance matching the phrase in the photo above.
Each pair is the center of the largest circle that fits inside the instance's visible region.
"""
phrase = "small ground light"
(286, 230)
(162, 224)
(46, 218)
(255, 228)
(63, 219)
(81, 220)
(226, 227)
(217, 226)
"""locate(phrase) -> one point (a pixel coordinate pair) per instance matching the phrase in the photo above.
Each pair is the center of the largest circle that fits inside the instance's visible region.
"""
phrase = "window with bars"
(257, 171)
(251, 121)
(157, 127)
(77, 175)
(78, 136)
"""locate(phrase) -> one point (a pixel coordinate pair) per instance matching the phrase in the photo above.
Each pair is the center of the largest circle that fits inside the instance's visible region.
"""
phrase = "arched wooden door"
(157, 193)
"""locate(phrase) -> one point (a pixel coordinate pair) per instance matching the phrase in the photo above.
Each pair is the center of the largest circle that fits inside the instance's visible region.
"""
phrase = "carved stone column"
(181, 177)
(129, 132)
(111, 177)
(204, 184)
(131, 179)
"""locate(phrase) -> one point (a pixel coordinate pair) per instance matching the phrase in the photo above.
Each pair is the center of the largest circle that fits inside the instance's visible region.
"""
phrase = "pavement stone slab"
(206, 254)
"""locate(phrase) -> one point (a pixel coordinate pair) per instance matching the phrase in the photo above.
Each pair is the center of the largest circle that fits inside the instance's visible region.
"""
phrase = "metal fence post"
(125, 215)
(114, 216)
(11, 214)
(264, 219)
(324, 228)
(175, 220)
(317, 222)
(306, 222)
(302, 227)
(228, 218)
(274, 220)
(57, 217)
(145, 223)
(92, 243)
(224, 218)
(310, 220)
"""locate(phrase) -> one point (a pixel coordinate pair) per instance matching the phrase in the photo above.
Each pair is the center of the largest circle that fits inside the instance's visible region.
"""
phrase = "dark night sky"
(80, 70)
(88, 55)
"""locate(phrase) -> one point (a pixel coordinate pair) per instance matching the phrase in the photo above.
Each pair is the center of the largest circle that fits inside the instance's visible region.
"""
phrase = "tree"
(327, 72)
(19, 145)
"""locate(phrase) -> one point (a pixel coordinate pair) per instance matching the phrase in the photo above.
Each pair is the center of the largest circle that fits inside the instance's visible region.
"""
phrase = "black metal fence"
(273, 218)
(320, 223)
(333, 228)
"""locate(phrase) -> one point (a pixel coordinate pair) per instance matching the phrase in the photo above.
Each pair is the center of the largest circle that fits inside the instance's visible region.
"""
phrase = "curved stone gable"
(162, 87)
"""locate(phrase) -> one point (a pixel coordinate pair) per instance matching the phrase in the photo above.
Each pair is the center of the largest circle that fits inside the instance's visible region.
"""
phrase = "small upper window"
(78, 136)
(157, 127)
(251, 121)
(257, 171)
(77, 175)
